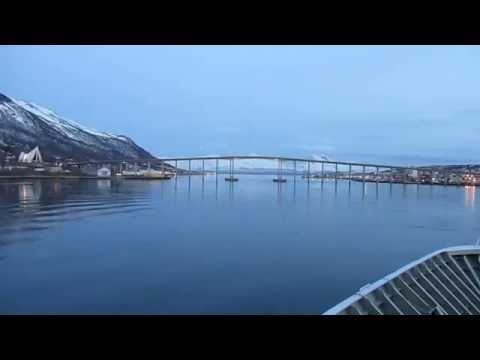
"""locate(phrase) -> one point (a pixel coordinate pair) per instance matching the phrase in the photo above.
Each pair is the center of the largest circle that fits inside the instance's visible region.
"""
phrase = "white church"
(33, 156)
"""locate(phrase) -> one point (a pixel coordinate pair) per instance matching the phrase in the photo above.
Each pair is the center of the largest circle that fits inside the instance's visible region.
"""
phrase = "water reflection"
(104, 184)
(28, 193)
(36, 205)
(279, 194)
(469, 196)
(145, 241)
(231, 189)
(42, 203)
(294, 187)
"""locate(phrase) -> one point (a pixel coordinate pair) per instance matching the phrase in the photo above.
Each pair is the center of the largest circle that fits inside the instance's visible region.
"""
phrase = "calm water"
(201, 247)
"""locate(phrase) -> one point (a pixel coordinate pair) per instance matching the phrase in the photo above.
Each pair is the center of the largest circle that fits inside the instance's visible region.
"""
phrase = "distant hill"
(25, 125)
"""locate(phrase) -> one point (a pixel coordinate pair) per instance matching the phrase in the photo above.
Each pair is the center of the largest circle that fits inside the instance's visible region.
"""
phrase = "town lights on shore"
(469, 179)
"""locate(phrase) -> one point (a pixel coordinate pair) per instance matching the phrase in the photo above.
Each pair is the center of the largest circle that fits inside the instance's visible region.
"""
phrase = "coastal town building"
(454, 179)
(33, 156)
(104, 172)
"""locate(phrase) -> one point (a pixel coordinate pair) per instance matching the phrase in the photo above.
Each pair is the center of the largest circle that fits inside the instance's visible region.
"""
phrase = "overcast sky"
(390, 104)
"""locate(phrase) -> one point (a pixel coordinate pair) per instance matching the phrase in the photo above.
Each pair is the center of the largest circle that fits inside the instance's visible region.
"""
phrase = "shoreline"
(76, 177)
(73, 177)
(38, 177)
(408, 183)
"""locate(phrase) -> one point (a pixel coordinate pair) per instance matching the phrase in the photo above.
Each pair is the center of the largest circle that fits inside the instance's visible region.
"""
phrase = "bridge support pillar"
(363, 173)
(231, 178)
(294, 170)
(279, 177)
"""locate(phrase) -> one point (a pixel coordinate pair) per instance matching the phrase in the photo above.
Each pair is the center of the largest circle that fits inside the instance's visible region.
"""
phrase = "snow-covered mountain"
(25, 125)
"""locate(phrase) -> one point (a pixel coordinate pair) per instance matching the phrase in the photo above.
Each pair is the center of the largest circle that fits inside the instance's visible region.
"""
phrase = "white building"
(104, 172)
(454, 179)
(31, 157)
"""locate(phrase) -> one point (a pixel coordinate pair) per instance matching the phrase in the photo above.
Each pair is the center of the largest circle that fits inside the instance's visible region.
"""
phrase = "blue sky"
(390, 104)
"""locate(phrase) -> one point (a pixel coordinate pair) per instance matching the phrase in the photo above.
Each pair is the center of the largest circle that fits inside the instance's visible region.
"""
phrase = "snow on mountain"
(67, 127)
(25, 125)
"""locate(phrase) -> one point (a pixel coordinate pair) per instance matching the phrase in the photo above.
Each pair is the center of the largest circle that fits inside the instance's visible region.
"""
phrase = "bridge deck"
(245, 157)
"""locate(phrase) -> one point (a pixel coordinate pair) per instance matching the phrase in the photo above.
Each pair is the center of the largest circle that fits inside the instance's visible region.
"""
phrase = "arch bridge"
(351, 170)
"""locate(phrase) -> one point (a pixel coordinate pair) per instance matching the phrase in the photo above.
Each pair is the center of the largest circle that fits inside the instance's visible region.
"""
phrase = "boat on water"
(147, 174)
(445, 282)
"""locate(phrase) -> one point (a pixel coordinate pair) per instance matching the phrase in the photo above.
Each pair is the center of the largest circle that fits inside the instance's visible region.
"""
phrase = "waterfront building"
(454, 179)
(413, 173)
(33, 156)
(92, 170)
(104, 172)
(469, 179)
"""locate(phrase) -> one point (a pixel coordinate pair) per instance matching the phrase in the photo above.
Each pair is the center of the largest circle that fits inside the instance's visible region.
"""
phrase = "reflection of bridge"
(341, 169)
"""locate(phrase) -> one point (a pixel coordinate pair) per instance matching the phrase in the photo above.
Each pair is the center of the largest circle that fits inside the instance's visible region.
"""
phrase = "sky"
(405, 105)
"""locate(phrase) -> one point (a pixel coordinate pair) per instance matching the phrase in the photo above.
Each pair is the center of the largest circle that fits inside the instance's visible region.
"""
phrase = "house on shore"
(93, 170)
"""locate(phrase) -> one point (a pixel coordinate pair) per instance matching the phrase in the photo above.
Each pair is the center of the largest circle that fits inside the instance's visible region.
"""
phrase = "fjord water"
(205, 246)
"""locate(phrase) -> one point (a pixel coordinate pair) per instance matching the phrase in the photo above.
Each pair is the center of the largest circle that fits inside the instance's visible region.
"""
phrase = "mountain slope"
(25, 125)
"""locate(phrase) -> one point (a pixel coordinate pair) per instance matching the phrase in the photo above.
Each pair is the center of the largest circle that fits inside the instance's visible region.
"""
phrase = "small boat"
(445, 282)
(154, 174)
(128, 173)
(147, 174)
